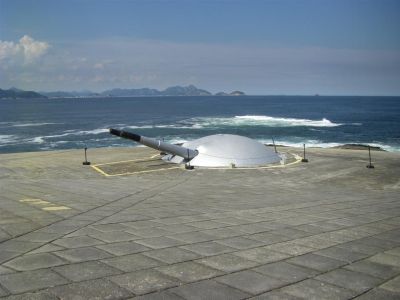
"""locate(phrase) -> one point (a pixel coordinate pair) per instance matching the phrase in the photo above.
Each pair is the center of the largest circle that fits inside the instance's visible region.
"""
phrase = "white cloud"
(27, 50)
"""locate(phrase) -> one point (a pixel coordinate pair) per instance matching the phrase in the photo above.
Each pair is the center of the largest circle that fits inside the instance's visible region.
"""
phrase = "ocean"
(317, 121)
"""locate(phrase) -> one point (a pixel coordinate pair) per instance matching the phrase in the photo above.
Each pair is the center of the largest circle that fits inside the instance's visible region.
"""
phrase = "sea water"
(319, 121)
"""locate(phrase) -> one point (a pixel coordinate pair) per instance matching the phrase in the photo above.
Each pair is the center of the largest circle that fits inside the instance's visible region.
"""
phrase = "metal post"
(187, 165)
(370, 165)
(86, 162)
(273, 142)
(304, 154)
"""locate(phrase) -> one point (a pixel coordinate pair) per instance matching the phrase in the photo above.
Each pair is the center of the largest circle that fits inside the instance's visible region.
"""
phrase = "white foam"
(76, 132)
(320, 144)
(7, 139)
(94, 131)
(32, 124)
(285, 122)
(38, 140)
(251, 120)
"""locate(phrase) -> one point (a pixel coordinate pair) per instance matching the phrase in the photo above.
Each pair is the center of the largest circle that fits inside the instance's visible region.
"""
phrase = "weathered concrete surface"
(327, 229)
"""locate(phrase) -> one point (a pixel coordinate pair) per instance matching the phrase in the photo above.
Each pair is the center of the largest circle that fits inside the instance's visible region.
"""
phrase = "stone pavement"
(329, 229)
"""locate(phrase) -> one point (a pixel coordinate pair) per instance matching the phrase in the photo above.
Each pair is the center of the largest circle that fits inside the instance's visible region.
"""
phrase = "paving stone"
(290, 248)
(314, 229)
(392, 285)
(358, 247)
(3, 292)
(355, 281)
(208, 248)
(252, 228)
(142, 224)
(189, 271)
(38, 237)
(179, 228)
(123, 248)
(386, 259)
(380, 243)
(82, 254)
(374, 269)
(77, 242)
(395, 251)
(4, 270)
(34, 261)
(110, 227)
(18, 246)
(261, 255)
(115, 236)
(149, 232)
(316, 290)
(379, 294)
(224, 232)
(250, 282)
(292, 233)
(316, 262)
(193, 237)
(31, 280)
(269, 238)
(227, 262)
(240, 243)
(33, 296)
(285, 271)
(274, 295)
(342, 254)
(7, 255)
(206, 224)
(172, 255)
(316, 242)
(208, 289)
(83, 232)
(94, 289)
(47, 248)
(164, 295)
(133, 262)
(86, 271)
(233, 221)
(144, 281)
(160, 242)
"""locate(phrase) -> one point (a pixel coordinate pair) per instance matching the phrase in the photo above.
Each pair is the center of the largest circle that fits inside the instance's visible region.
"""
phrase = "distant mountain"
(190, 90)
(73, 94)
(15, 93)
(237, 93)
(130, 92)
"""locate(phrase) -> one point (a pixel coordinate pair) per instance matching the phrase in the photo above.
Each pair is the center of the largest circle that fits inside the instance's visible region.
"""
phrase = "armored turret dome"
(223, 150)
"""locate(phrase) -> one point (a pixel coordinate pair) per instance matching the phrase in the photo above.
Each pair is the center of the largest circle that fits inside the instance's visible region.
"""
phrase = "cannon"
(218, 150)
(186, 153)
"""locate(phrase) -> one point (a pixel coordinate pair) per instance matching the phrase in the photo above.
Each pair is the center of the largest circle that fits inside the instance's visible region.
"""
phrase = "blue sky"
(335, 47)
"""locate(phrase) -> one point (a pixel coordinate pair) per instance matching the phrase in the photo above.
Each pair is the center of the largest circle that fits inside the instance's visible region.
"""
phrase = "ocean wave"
(320, 144)
(33, 124)
(237, 121)
(254, 120)
(7, 139)
(37, 140)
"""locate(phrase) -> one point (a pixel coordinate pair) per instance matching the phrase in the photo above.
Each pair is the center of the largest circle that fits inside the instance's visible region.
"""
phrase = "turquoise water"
(35, 125)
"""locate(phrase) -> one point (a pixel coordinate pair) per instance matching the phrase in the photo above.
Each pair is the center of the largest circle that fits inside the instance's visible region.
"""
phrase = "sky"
(262, 47)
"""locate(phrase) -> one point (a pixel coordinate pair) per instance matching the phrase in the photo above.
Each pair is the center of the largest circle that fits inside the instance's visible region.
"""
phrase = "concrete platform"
(327, 229)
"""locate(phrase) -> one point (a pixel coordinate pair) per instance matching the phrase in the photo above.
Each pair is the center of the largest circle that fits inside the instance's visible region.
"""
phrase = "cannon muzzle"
(184, 152)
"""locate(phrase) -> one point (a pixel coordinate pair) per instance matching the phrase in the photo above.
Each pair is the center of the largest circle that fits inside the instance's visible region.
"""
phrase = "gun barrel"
(184, 152)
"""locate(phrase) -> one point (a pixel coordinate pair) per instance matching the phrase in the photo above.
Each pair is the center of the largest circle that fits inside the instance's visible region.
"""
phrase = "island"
(190, 90)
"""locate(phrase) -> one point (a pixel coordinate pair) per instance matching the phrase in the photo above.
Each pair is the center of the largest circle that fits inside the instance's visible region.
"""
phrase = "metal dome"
(223, 150)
